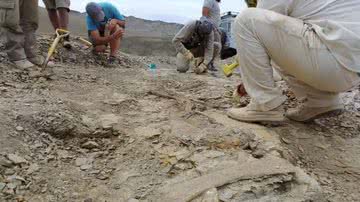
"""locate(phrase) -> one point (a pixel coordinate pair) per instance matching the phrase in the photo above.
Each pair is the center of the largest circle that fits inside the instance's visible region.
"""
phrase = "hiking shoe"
(38, 60)
(306, 114)
(212, 68)
(112, 62)
(249, 114)
(23, 64)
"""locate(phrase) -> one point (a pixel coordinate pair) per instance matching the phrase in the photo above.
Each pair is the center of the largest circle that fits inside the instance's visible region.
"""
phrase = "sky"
(178, 11)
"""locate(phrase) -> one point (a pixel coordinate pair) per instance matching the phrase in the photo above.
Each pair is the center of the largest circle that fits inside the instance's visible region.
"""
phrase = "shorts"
(56, 4)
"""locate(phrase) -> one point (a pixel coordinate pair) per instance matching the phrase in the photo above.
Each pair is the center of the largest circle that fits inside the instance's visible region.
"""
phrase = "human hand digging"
(116, 35)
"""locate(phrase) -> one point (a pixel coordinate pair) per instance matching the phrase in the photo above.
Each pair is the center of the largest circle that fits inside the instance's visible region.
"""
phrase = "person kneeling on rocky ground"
(195, 46)
(20, 19)
(106, 26)
(316, 46)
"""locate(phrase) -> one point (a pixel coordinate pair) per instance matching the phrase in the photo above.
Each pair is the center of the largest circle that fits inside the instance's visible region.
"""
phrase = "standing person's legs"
(52, 13)
(29, 15)
(263, 36)
(63, 9)
(10, 21)
(63, 18)
(58, 11)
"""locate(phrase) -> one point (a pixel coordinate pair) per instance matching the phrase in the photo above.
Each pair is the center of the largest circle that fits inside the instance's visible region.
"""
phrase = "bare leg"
(63, 18)
(53, 16)
(115, 44)
(100, 48)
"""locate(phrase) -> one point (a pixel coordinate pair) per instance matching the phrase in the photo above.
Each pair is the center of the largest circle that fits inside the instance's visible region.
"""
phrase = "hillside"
(90, 133)
(142, 37)
(135, 27)
(81, 131)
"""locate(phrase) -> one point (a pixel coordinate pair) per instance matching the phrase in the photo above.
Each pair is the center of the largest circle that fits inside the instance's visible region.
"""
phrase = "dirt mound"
(129, 134)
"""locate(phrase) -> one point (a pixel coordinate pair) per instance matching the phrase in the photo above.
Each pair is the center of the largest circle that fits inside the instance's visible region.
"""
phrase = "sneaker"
(38, 60)
(249, 114)
(306, 114)
(23, 64)
(112, 62)
(212, 68)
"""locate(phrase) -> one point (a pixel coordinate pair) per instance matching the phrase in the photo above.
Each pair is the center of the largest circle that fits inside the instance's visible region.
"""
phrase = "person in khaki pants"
(19, 19)
(315, 45)
(58, 11)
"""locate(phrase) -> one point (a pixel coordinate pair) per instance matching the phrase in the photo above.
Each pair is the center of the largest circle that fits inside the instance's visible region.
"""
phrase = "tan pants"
(306, 64)
(19, 18)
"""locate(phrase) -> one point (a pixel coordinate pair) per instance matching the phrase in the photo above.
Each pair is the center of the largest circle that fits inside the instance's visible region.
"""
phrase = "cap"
(95, 11)
(205, 27)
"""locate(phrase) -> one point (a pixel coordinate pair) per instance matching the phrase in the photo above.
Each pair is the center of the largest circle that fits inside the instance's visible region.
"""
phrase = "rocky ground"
(90, 133)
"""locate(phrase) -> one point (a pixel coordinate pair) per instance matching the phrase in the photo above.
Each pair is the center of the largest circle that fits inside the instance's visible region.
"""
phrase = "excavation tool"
(229, 69)
(84, 41)
(60, 34)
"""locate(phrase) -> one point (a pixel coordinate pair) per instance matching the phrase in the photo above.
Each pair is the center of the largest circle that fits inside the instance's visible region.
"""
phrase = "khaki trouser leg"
(13, 33)
(217, 45)
(20, 27)
(303, 59)
(314, 97)
(29, 23)
(183, 65)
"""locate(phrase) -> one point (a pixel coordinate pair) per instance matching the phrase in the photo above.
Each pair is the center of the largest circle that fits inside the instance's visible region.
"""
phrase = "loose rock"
(83, 161)
(5, 162)
(2, 186)
(32, 169)
(17, 160)
(19, 128)
(90, 145)
(86, 167)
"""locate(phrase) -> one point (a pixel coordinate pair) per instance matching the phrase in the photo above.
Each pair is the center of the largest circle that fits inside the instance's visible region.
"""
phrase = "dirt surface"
(91, 133)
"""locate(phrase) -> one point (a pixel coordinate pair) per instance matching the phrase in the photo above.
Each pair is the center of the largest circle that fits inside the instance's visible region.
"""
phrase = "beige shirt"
(214, 15)
(185, 34)
(337, 23)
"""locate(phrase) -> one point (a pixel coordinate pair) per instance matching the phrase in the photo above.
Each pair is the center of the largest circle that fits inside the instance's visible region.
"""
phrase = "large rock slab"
(296, 183)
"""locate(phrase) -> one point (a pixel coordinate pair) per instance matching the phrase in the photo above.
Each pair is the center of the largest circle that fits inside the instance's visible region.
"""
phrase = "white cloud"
(165, 10)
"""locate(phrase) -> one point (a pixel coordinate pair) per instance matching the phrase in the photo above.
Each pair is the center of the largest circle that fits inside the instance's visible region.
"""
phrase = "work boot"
(304, 113)
(250, 114)
(112, 62)
(38, 60)
(23, 64)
